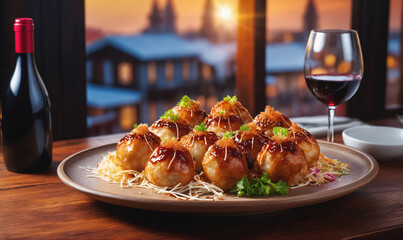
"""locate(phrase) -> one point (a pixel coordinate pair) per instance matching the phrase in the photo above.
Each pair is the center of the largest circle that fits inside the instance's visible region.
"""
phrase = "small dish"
(383, 143)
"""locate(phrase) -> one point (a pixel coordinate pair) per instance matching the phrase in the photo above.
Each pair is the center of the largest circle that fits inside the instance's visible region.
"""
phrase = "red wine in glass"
(336, 55)
(333, 89)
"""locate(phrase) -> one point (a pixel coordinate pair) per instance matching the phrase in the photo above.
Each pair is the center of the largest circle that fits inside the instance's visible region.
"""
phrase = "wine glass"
(333, 68)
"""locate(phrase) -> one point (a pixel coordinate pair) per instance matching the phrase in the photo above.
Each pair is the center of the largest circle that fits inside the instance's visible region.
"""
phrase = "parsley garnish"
(259, 187)
(170, 115)
(244, 128)
(222, 112)
(280, 131)
(135, 126)
(230, 99)
(184, 102)
(228, 135)
(201, 128)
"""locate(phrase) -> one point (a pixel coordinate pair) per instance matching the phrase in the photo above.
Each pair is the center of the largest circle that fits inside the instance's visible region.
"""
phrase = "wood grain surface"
(40, 206)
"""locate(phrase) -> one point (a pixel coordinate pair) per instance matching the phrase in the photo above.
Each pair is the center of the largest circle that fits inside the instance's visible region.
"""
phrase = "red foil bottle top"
(24, 38)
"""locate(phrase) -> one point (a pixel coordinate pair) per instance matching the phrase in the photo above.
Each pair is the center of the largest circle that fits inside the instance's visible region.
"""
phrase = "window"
(393, 74)
(125, 73)
(152, 112)
(128, 117)
(152, 73)
(202, 100)
(89, 70)
(286, 89)
(169, 71)
(108, 72)
(206, 72)
(211, 101)
(185, 70)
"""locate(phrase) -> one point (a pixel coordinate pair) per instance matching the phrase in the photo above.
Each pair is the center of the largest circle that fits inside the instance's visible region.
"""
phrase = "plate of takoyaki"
(222, 162)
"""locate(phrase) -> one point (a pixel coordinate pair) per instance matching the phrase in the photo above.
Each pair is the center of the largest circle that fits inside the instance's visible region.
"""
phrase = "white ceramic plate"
(383, 143)
(317, 125)
(364, 169)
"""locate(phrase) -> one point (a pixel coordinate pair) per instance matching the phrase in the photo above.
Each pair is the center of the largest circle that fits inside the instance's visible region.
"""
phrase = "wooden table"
(41, 206)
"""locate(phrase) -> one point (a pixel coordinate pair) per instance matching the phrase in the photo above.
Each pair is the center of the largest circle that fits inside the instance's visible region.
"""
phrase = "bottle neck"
(25, 62)
(26, 58)
(24, 42)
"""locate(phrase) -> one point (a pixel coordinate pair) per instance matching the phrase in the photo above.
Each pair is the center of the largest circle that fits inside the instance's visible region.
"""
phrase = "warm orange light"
(330, 60)
(344, 67)
(271, 91)
(391, 62)
(317, 71)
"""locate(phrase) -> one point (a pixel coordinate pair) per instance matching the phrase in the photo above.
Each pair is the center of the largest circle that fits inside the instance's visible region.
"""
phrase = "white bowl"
(383, 143)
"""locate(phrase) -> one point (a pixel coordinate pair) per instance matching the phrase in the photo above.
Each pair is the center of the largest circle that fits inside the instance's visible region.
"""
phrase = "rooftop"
(147, 47)
(111, 97)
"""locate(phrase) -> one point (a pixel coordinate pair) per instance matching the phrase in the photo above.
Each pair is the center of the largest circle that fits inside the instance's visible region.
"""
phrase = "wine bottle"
(26, 122)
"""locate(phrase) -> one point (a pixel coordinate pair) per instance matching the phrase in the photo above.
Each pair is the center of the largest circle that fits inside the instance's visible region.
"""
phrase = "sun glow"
(225, 12)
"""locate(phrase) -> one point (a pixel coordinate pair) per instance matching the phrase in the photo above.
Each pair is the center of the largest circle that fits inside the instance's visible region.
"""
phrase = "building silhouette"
(207, 29)
(161, 20)
(310, 20)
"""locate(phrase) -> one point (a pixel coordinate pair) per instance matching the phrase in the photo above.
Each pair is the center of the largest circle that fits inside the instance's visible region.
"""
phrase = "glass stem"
(330, 129)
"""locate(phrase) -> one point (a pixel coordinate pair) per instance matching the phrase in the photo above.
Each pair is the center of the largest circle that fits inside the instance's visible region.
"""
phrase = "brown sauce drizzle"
(221, 119)
(209, 137)
(183, 127)
(273, 146)
(271, 123)
(167, 153)
(246, 139)
(197, 111)
(151, 137)
(299, 136)
(219, 152)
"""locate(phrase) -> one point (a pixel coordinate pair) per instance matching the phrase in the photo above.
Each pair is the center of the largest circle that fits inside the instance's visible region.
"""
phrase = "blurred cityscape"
(133, 78)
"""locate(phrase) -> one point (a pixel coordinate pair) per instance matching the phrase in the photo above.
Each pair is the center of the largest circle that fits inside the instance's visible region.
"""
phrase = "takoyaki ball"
(134, 149)
(198, 143)
(170, 164)
(233, 107)
(190, 111)
(306, 142)
(225, 163)
(251, 139)
(283, 160)
(170, 125)
(223, 123)
(269, 119)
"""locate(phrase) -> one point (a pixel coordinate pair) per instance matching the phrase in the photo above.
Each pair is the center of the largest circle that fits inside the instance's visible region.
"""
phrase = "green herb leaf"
(230, 99)
(201, 128)
(281, 187)
(244, 128)
(280, 131)
(222, 112)
(135, 126)
(170, 115)
(184, 102)
(228, 135)
(166, 138)
(259, 187)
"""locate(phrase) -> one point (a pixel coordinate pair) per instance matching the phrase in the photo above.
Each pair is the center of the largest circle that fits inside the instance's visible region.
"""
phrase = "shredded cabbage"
(327, 170)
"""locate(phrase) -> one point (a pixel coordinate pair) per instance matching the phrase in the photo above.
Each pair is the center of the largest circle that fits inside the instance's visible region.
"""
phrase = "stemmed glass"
(333, 68)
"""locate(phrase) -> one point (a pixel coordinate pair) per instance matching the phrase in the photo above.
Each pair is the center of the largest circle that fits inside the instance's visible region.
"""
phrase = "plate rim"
(256, 205)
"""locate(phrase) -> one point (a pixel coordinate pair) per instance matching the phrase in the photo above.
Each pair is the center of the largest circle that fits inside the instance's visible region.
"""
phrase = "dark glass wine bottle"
(26, 121)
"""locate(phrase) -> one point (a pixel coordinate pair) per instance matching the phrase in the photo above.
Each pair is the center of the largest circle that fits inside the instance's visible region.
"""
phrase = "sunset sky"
(131, 16)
